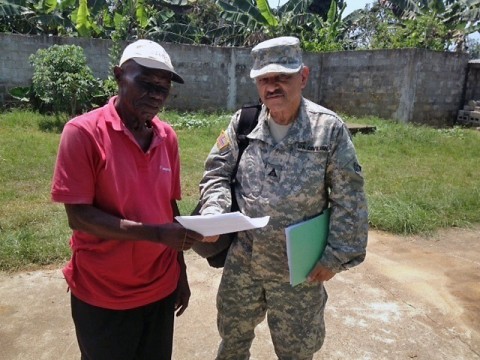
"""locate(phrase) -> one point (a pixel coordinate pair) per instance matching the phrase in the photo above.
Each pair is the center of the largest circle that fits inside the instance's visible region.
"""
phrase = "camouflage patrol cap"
(278, 55)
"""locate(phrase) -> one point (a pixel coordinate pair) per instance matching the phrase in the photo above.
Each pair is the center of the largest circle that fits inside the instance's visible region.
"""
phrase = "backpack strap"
(247, 122)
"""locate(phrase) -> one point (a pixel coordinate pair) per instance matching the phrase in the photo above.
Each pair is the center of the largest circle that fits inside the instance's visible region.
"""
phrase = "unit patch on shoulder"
(222, 141)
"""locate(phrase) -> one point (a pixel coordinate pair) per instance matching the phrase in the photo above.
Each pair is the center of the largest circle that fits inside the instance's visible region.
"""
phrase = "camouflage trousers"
(294, 315)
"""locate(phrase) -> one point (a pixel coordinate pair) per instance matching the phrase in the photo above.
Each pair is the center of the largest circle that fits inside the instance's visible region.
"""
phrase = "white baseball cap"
(151, 55)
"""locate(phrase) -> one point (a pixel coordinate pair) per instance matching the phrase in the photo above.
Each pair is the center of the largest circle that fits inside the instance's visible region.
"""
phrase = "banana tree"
(13, 15)
(243, 22)
(101, 18)
(460, 17)
(247, 12)
(323, 7)
(35, 17)
(329, 34)
(247, 22)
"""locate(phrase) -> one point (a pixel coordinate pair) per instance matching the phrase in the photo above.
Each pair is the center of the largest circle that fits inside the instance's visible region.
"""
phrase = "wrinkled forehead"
(158, 74)
(152, 75)
(272, 75)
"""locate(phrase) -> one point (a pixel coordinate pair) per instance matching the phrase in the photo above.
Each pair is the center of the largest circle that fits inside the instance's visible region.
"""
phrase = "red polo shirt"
(100, 163)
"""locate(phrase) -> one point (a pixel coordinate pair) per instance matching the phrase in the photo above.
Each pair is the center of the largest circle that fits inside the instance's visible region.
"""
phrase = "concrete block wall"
(472, 89)
(440, 84)
(407, 85)
(215, 78)
(357, 82)
(15, 67)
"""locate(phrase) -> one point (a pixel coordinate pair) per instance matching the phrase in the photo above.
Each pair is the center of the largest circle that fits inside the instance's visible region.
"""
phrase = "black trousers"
(144, 333)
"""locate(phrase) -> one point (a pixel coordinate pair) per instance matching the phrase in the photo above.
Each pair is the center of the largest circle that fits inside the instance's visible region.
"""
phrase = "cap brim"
(177, 78)
(274, 68)
(153, 64)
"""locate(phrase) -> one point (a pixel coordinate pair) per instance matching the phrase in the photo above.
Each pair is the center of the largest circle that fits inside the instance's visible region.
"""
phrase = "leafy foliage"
(329, 35)
(425, 32)
(36, 17)
(253, 21)
(430, 24)
(203, 17)
(244, 24)
(422, 24)
(458, 17)
(474, 48)
(62, 78)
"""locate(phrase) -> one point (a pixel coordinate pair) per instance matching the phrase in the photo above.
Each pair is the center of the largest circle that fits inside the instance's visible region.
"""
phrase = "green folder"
(306, 242)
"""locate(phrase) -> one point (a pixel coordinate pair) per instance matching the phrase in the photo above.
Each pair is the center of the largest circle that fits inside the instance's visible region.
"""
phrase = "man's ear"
(305, 73)
(117, 73)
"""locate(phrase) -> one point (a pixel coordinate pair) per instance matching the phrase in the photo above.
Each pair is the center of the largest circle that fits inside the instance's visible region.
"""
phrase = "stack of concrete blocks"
(470, 115)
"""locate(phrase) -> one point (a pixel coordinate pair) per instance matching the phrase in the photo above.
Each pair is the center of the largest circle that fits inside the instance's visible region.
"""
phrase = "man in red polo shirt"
(118, 174)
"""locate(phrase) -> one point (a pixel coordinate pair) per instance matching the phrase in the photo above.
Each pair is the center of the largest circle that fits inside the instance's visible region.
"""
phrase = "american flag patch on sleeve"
(222, 141)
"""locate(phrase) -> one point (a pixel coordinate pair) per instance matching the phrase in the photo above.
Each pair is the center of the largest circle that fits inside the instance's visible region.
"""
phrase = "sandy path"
(412, 298)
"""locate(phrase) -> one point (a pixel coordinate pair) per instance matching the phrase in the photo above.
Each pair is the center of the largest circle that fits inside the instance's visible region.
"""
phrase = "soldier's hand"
(320, 273)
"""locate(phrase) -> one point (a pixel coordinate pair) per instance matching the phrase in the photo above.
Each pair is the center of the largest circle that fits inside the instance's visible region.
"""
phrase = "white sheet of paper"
(209, 225)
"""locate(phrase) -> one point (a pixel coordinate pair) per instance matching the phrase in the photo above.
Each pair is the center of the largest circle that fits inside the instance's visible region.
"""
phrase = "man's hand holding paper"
(210, 239)
(209, 225)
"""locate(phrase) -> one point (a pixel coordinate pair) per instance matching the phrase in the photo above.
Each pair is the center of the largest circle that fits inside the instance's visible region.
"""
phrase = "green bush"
(107, 88)
(62, 79)
(424, 32)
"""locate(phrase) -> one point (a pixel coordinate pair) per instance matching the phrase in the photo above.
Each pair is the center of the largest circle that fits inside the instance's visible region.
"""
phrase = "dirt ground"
(412, 298)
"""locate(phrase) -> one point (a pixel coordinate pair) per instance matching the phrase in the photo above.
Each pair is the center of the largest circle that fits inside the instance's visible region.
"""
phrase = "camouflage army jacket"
(313, 167)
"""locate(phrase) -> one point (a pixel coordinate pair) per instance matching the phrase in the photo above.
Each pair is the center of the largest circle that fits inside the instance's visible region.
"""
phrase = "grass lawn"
(418, 179)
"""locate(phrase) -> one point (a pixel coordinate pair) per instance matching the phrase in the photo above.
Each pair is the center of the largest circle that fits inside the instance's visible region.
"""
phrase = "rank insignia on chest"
(223, 141)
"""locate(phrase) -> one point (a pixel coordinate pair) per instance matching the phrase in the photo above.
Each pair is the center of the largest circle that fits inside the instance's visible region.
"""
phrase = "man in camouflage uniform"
(300, 160)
